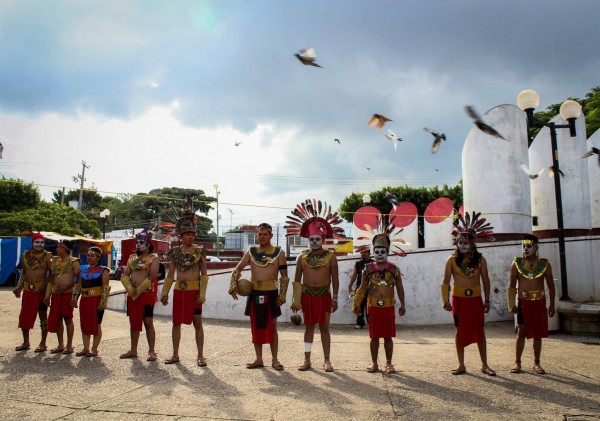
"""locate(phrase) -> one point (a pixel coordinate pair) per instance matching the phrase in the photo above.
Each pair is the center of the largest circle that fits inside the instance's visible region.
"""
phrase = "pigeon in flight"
(391, 136)
(436, 170)
(533, 176)
(1, 150)
(237, 143)
(392, 198)
(378, 120)
(591, 152)
(307, 57)
(553, 170)
(337, 140)
(487, 129)
(437, 139)
(368, 168)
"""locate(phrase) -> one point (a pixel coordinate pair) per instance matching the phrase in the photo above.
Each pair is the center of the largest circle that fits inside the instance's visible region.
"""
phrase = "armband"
(511, 294)
(104, 297)
(143, 287)
(359, 296)
(76, 292)
(445, 293)
(203, 286)
(235, 277)
(48, 291)
(166, 287)
(297, 296)
(126, 281)
(284, 281)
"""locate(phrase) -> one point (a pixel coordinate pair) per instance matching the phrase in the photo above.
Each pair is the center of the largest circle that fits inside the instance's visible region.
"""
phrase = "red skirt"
(469, 319)
(184, 306)
(135, 309)
(89, 315)
(535, 316)
(60, 306)
(30, 304)
(382, 321)
(315, 308)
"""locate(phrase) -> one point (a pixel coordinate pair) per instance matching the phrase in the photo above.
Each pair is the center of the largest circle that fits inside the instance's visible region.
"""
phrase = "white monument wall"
(493, 183)
(440, 234)
(594, 177)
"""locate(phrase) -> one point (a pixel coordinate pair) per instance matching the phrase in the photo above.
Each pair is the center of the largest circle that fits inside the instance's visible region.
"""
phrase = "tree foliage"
(421, 197)
(90, 202)
(17, 195)
(591, 108)
(48, 217)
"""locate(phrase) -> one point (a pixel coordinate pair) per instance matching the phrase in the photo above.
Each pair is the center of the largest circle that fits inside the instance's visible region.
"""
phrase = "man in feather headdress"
(36, 267)
(187, 270)
(379, 280)
(529, 272)
(139, 280)
(316, 274)
(264, 302)
(468, 268)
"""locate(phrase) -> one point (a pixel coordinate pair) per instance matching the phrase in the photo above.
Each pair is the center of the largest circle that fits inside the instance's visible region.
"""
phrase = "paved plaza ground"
(42, 386)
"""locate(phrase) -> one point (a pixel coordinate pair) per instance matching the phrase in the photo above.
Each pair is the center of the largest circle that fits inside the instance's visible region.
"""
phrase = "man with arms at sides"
(468, 268)
(264, 302)
(379, 279)
(316, 275)
(187, 271)
(36, 266)
(528, 273)
(94, 289)
(138, 280)
(65, 271)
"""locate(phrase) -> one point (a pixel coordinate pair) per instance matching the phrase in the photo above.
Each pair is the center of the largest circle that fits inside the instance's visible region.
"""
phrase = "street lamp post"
(570, 110)
(216, 186)
(104, 215)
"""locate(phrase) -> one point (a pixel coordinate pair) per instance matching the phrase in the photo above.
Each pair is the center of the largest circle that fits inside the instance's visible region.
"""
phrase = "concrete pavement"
(42, 386)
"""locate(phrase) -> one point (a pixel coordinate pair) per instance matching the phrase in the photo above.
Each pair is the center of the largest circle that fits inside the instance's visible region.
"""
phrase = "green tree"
(17, 195)
(90, 202)
(48, 217)
(591, 108)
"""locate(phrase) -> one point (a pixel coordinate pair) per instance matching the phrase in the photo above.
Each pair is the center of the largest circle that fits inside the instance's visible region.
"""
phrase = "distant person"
(187, 271)
(359, 267)
(139, 279)
(468, 268)
(528, 273)
(65, 271)
(316, 278)
(94, 289)
(379, 280)
(36, 266)
(264, 302)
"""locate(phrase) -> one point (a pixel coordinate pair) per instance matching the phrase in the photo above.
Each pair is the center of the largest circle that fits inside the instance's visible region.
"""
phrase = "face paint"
(529, 248)
(141, 246)
(38, 245)
(315, 242)
(464, 246)
(380, 253)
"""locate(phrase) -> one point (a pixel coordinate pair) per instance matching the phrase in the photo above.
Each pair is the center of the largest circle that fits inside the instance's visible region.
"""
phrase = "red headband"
(37, 236)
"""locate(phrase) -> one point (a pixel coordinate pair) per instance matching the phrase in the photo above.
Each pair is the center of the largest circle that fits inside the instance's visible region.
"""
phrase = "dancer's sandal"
(22, 347)
(389, 369)
(488, 371)
(538, 369)
(201, 362)
(277, 366)
(57, 350)
(152, 356)
(41, 349)
(458, 371)
(81, 353)
(305, 366)
(68, 351)
(253, 365)
(373, 368)
(172, 360)
(327, 366)
(515, 369)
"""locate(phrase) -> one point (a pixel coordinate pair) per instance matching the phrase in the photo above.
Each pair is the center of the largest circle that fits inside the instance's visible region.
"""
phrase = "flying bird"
(337, 140)
(553, 170)
(437, 139)
(436, 170)
(378, 120)
(307, 57)
(531, 175)
(392, 198)
(591, 152)
(487, 129)
(1, 150)
(368, 168)
(237, 143)
(391, 136)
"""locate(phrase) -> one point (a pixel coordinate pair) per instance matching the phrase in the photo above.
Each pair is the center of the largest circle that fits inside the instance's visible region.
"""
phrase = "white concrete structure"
(493, 183)
(594, 174)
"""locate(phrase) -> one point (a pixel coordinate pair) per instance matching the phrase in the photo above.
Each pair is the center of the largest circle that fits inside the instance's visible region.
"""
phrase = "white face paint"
(529, 249)
(315, 242)
(380, 253)
(464, 246)
(141, 246)
(38, 245)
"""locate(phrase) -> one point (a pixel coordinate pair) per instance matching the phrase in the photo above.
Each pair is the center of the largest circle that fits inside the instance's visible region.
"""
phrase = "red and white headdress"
(471, 227)
(313, 217)
(385, 234)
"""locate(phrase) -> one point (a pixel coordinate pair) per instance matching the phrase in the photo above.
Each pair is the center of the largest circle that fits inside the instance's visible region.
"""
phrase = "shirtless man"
(529, 273)
(263, 304)
(64, 273)
(138, 280)
(187, 270)
(316, 275)
(36, 266)
(379, 279)
(468, 268)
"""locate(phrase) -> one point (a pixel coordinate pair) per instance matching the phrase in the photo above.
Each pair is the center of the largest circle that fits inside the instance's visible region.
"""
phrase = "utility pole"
(62, 196)
(81, 177)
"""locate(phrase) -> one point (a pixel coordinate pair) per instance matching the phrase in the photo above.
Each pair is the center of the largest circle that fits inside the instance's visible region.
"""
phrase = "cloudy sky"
(154, 94)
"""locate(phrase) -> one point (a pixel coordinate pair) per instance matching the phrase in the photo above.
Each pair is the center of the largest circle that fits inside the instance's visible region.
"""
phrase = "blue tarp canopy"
(11, 250)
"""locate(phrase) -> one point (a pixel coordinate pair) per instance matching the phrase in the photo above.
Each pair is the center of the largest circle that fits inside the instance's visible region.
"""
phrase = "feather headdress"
(471, 226)
(384, 234)
(313, 217)
(187, 222)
